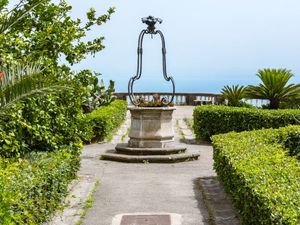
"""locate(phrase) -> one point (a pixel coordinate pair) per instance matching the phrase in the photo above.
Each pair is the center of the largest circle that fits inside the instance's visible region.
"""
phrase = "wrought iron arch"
(150, 21)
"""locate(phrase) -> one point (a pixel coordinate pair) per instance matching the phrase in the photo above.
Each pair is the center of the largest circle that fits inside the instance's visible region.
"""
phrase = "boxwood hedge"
(106, 119)
(261, 177)
(33, 187)
(40, 143)
(211, 120)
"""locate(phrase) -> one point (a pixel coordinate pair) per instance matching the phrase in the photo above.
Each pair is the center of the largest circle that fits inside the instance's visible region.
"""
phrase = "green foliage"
(96, 94)
(40, 139)
(3, 3)
(292, 143)
(32, 188)
(262, 180)
(43, 123)
(291, 103)
(46, 33)
(211, 120)
(234, 94)
(106, 119)
(274, 87)
(20, 81)
(11, 18)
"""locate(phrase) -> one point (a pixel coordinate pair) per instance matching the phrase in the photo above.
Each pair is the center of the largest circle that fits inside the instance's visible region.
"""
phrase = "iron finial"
(151, 21)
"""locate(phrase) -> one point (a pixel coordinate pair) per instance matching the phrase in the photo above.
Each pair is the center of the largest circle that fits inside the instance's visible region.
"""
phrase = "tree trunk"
(274, 103)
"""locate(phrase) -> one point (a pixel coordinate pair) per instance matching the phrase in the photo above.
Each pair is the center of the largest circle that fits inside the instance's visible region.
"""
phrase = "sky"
(210, 43)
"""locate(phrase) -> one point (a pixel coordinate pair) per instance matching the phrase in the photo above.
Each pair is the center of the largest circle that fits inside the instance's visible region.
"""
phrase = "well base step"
(124, 149)
(174, 158)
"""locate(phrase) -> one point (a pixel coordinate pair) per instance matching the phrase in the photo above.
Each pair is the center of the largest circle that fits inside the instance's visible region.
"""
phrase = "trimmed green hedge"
(211, 120)
(42, 123)
(262, 179)
(40, 143)
(106, 119)
(32, 188)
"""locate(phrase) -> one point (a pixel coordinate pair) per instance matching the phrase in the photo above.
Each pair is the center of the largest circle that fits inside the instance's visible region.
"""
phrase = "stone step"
(123, 148)
(174, 158)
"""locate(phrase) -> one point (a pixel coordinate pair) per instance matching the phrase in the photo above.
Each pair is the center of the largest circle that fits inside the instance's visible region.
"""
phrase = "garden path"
(188, 188)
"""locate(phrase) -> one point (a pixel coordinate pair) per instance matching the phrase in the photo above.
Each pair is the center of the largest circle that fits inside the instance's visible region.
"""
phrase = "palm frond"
(20, 81)
(274, 86)
(234, 94)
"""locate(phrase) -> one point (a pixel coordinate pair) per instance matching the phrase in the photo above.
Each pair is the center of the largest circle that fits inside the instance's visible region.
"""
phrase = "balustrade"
(189, 98)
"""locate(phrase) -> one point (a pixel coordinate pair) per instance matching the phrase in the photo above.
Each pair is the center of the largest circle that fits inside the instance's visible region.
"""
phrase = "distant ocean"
(188, 85)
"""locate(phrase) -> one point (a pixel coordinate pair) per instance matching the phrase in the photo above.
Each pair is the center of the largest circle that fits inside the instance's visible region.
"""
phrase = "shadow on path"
(218, 204)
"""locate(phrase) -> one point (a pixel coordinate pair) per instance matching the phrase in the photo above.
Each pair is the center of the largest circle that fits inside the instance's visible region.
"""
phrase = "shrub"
(33, 188)
(211, 120)
(106, 119)
(42, 123)
(234, 94)
(262, 180)
(292, 143)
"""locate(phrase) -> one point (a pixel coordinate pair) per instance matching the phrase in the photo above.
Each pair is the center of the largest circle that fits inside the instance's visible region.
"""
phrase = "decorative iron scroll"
(150, 21)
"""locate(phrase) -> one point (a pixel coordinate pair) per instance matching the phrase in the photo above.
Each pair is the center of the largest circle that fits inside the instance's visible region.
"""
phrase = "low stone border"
(80, 189)
(219, 205)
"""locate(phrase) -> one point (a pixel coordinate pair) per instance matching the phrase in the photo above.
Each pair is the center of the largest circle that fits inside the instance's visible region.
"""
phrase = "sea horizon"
(182, 85)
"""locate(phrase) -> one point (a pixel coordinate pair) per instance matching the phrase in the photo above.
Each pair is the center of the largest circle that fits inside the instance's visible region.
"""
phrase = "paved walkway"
(153, 188)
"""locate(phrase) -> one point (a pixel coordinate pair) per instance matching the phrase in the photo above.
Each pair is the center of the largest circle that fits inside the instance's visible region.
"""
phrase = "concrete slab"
(147, 219)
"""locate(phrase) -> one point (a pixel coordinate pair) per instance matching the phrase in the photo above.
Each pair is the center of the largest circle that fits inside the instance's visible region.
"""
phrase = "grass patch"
(89, 203)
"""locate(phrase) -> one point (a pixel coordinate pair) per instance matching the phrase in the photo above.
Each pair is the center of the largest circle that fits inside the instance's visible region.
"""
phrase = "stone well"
(151, 127)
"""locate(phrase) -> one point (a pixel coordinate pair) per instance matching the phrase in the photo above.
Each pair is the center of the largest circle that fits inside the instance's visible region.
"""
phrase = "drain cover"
(142, 218)
(146, 220)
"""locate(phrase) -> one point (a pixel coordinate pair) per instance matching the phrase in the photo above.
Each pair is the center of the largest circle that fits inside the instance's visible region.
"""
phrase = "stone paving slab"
(218, 202)
(79, 192)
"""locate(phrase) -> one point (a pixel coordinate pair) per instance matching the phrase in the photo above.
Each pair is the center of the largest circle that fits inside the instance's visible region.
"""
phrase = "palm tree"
(274, 87)
(21, 81)
(234, 94)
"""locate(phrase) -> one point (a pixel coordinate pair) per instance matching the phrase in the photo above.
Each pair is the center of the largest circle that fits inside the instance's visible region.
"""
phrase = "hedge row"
(106, 119)
(32, 188)
(211, 120)
(262, 179)
(40, 143)
(42, 123)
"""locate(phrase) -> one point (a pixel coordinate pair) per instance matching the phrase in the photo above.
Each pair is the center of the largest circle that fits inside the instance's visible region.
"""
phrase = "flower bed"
(255, 169)
(211, 120)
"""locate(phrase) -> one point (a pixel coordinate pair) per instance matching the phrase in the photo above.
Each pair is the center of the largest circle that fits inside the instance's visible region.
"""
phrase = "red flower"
(1, 75)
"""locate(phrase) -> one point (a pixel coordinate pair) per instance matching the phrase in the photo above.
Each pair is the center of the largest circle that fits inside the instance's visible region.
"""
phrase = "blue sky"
(210, 43)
